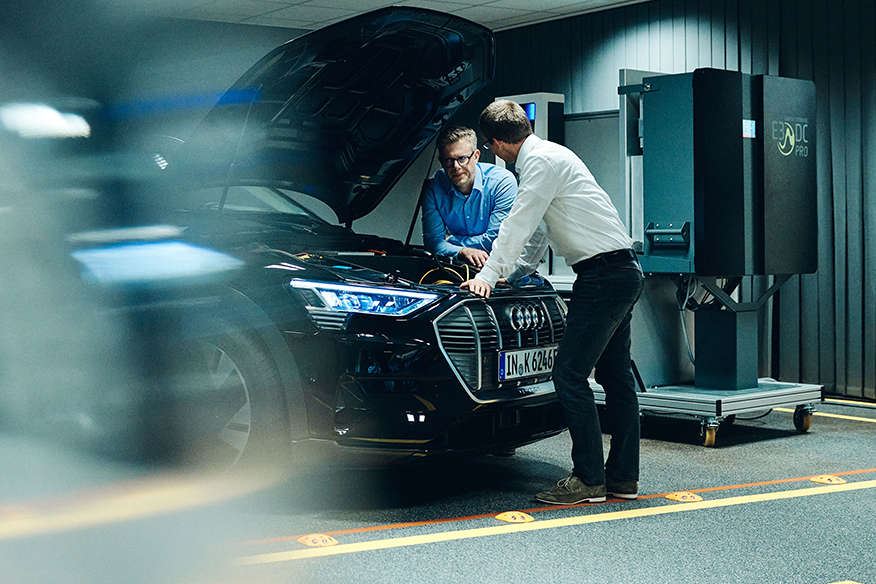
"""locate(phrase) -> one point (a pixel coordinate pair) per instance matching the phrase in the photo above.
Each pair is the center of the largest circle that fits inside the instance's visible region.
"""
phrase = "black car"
(316, 335)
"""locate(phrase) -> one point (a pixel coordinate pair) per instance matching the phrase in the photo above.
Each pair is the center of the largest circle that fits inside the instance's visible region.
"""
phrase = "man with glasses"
(466, 201)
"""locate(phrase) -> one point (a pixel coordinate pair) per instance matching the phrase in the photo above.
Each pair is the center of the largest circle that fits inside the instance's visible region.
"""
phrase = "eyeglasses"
(486, 145)
(462, 160)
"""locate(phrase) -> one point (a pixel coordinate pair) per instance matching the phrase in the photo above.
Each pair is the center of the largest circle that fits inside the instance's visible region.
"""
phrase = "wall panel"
(774, 21)
(717, 22)
(837, 121)
(731, 35)
(868, 147)
(854, 195)
(824, 326)
(657, 46)
(645, 41)
(745, 36)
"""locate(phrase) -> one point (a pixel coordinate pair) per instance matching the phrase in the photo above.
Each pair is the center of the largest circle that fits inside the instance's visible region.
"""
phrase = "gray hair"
(452, 134)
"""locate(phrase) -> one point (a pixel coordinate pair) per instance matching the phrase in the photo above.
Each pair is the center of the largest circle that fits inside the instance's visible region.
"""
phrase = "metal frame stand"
(716, 406)
(720, 392)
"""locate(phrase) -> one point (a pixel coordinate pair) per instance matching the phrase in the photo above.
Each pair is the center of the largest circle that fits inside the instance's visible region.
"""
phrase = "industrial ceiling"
(313, 14)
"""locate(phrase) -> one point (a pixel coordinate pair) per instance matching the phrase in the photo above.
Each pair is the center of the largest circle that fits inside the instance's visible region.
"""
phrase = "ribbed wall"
(822, 328)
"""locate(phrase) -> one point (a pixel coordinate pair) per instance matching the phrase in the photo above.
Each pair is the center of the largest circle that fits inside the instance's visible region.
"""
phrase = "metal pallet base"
(712, 406)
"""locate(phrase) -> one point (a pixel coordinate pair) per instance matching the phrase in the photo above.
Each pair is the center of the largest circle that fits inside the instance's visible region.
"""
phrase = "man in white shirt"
(559, 203)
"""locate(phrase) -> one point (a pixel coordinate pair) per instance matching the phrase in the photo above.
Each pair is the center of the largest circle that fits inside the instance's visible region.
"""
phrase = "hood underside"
(342, 112)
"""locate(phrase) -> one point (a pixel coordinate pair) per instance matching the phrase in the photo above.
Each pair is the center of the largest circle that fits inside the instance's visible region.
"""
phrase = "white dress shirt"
(558, 203)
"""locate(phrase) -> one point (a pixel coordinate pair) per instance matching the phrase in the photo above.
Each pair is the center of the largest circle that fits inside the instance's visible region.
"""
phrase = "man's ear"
(501, 144)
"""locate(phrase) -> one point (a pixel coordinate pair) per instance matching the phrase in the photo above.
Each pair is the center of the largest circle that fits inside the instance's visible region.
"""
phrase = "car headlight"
(363, 299)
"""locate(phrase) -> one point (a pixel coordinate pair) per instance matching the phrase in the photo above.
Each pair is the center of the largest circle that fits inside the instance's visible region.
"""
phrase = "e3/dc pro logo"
(792, 139)
(787, 141)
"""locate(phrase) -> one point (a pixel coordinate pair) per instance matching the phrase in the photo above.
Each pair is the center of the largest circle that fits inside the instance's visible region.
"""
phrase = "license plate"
(526, 362)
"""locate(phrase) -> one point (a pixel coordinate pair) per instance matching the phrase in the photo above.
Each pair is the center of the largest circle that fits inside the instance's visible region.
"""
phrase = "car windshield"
(260, 199)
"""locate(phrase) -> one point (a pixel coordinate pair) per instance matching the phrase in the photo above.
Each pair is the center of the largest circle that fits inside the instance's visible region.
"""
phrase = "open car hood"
(342, 112)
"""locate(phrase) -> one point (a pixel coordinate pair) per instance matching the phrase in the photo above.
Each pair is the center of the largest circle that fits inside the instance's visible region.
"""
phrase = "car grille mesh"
(328, 319)
(473, 333)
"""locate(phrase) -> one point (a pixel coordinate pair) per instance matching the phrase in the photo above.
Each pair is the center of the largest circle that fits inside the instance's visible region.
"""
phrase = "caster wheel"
(708, 437)
(802, 419)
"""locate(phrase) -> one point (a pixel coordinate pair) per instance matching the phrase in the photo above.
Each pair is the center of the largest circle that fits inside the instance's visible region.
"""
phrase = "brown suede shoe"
(571, 491)
(622, 489)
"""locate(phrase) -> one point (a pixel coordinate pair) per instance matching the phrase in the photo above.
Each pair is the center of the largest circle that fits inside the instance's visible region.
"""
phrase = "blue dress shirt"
(452, 220)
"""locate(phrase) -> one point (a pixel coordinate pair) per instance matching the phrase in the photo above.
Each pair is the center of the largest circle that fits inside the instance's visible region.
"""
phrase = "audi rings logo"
(526, 317)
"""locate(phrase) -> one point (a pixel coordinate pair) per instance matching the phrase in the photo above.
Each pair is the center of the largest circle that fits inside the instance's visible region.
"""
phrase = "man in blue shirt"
(465, 201)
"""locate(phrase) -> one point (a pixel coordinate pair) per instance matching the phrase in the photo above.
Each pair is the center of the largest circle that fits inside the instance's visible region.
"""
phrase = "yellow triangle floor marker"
(514, 517)
(317, 540)
(684, 497)
(828, 480)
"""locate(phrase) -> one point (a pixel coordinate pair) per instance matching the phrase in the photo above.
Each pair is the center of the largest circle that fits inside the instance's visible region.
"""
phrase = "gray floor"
(762, 519)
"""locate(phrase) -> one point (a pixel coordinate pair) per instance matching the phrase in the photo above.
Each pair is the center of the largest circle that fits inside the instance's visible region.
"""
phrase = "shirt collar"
(478, 184)
(529, 144)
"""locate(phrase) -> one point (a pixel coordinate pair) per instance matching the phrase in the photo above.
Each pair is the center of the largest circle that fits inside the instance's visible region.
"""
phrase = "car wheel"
(225, 403)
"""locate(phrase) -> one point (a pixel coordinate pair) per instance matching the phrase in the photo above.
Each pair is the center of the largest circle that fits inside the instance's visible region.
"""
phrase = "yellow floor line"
(849, 402)
(544, 524)
(839, 416)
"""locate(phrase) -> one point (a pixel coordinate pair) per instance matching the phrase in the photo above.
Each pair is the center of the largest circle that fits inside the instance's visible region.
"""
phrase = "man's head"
(458, 154)
(504, 123)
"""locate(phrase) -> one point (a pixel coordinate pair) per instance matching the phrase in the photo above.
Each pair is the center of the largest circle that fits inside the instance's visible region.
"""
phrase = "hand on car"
(477, 287)
(475, 257)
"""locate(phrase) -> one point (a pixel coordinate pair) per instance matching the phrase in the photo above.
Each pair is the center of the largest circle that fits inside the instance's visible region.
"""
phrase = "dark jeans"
(598, 335)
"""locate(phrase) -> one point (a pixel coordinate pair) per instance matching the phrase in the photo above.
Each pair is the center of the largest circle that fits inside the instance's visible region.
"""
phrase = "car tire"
(225, 403)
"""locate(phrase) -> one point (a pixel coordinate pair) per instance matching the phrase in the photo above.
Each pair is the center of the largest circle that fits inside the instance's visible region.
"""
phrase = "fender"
(235, 307)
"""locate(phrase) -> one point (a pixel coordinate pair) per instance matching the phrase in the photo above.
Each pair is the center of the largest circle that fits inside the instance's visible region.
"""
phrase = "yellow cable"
(454, 272)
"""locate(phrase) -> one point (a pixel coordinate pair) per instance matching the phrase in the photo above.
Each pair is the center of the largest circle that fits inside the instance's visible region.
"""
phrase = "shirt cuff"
(488, 275)
(518, 273)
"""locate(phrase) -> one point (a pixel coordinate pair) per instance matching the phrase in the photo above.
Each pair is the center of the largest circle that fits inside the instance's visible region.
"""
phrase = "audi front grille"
(472, 333)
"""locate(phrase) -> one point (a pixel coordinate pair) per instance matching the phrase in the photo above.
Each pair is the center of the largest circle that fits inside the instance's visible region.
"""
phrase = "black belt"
(604, 259)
